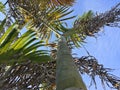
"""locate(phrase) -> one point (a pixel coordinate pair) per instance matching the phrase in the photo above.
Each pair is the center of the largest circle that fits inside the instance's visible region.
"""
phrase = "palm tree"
(87, 25)
(45, 72)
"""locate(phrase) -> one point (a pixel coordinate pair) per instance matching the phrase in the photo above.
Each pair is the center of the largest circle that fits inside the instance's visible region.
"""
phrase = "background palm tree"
(87, 25)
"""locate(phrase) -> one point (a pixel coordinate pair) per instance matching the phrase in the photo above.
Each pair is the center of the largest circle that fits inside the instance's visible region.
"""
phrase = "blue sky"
(106, 48)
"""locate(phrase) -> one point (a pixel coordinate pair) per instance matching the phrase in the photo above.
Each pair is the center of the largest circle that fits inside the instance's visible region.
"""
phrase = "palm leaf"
(2, 25)
(34, 74)
(62, 2)
(22, 49)
(89, 24)
(43, 21)
(45, 3)
(2, 8)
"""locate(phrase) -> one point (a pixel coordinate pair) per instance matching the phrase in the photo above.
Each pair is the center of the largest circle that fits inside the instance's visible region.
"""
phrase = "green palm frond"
(86, 16)
(2, 30)
(77, 35)
(89, 24)
(2, 8)
(43, 21)
(21, 49)
(45, 3)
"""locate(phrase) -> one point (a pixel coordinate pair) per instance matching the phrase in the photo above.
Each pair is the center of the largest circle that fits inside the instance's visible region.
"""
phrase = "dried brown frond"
(62, 2)
(90, 66)
(30, 76)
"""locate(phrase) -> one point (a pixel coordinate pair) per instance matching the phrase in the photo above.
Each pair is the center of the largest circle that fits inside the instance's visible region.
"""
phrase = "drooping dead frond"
(34, 76)
(28, 76)
(90, 66)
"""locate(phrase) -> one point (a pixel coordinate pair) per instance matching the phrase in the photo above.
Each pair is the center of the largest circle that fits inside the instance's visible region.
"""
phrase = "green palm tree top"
(45, 21)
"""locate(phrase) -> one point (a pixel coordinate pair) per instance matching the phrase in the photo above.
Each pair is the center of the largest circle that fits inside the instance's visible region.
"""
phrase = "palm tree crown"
(33, 68)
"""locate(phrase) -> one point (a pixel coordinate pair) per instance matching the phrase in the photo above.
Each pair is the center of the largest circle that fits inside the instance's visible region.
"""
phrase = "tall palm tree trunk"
(67, 75)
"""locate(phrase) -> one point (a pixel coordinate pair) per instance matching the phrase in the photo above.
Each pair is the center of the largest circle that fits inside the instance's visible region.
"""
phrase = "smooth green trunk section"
(67, 75)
